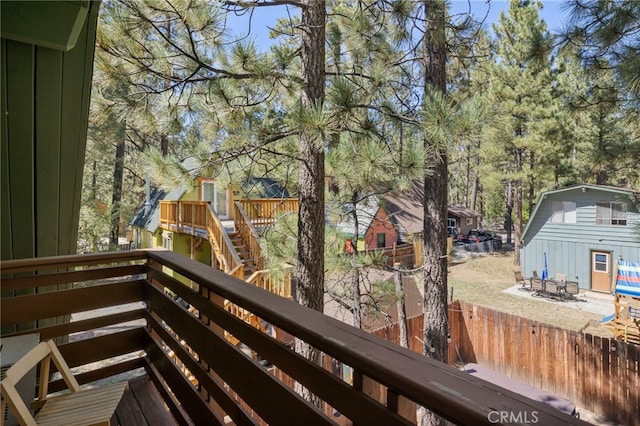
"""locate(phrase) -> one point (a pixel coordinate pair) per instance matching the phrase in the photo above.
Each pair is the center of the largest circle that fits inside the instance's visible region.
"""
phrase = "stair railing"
(226, 253)
(248, 234)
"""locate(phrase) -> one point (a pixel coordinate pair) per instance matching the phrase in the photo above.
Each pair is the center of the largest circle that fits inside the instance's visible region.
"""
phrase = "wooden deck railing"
(249, 234)
(264, 211)
(222, 245)
(219, 372)
(199, 219)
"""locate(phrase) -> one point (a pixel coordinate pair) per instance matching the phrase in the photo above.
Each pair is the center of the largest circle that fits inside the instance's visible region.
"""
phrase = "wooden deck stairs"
(243, 252)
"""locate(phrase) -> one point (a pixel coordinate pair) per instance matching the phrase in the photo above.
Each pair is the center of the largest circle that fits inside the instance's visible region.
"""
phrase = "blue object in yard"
(628, 278)
(607, 318)
(545, 272)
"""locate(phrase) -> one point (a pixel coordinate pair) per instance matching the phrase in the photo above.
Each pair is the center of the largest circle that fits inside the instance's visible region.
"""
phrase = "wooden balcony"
(191, 217)
(150, 319)
(250, 216)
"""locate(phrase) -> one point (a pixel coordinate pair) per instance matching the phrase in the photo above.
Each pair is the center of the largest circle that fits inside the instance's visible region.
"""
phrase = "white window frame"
(563, 212)
(167, 241)
(614, 216)
(216, 191)
(597, 262)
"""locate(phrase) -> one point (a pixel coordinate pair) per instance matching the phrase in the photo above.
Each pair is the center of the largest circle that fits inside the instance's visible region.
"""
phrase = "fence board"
(579, 360)
(633, 355)
(605, 392)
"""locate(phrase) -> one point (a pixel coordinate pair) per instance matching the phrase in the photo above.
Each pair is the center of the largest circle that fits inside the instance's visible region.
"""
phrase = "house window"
(563, 212)
(452, 223)
(381, 240)
(166, 242)
(600, 263)
(469, 221)
(611, 213)
(216, 194)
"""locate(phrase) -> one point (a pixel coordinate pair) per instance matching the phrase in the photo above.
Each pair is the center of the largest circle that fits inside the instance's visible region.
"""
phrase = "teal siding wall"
(569, 245)
(44, 96)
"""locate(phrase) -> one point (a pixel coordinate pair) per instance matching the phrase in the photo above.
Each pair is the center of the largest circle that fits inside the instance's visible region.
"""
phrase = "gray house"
(584, 230)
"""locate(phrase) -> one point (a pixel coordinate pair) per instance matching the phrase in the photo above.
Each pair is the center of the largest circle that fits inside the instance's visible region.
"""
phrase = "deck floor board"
(142, 405)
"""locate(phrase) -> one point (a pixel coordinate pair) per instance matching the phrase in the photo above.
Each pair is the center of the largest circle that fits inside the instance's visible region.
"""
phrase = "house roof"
(365, 213)
(628, 192)
(264, 187)
(149, 219)
(407, 208)
(461, 211)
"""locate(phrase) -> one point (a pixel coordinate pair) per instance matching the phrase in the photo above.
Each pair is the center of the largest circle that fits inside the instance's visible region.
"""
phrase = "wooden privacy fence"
(403, 254)
(598, 374)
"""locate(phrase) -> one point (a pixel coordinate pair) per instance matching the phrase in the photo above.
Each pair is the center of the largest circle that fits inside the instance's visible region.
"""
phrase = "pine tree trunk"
(476, 181)
(310, 265)
(508, 209)
(402, 308)
(518, 190)
(435, 204)
(116, 197)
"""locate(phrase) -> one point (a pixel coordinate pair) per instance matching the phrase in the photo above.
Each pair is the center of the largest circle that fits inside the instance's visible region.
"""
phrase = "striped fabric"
(628, 279)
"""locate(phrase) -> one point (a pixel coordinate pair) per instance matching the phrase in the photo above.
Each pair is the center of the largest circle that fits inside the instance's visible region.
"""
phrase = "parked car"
(497, 239)
(475, 236)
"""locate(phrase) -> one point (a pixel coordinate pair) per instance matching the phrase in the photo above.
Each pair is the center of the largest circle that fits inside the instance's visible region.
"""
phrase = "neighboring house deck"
(584, 230)
(214, 223)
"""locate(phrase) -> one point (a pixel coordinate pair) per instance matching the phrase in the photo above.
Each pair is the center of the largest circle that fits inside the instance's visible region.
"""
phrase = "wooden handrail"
(264, 211)
(220, 369)
(421, 379)
(198, 218)
(248, 234)
(223, 245)
(264, 280)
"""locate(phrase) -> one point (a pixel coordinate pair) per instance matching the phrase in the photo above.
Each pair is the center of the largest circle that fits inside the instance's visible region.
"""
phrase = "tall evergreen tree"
(521, 83)
(435, 326)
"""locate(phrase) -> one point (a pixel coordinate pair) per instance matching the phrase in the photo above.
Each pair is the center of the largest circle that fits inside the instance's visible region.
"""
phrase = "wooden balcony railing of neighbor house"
(198, 218)
(264, 211)
(177, 338)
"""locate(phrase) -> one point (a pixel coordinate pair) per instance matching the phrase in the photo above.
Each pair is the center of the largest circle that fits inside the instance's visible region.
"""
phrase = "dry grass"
(481, 280)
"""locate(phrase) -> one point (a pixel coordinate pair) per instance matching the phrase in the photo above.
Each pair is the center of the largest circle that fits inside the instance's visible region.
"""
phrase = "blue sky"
(552, 13)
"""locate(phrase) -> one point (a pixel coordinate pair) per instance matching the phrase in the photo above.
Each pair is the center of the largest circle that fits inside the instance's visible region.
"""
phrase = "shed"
(462, 219)
(584, 229)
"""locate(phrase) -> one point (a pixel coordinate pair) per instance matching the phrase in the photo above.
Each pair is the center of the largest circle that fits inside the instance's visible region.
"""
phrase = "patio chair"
(560, 277)
(537, 285)
(552, 287)
(79, 407)
(571, 288)
(534, 274)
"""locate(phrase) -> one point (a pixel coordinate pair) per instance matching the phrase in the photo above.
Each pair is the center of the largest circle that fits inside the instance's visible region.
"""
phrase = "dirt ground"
(481, 280)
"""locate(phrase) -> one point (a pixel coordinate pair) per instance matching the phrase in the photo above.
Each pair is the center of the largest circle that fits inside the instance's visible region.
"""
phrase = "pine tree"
(520, 82)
